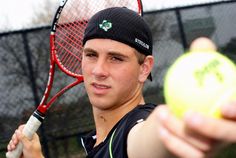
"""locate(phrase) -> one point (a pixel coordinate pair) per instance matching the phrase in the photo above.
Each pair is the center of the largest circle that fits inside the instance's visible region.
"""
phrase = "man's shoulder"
(141, 112)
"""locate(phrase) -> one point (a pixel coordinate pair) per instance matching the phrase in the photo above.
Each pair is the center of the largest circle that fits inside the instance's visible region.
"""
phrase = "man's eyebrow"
(89, 50)
(110, 53)
(114, 53)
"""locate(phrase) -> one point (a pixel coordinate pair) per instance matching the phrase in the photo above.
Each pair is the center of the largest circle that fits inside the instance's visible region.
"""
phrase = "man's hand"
(31, 148)
(196, 135)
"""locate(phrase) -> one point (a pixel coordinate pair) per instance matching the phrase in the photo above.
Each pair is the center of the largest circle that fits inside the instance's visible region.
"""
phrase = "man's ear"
(146, 68)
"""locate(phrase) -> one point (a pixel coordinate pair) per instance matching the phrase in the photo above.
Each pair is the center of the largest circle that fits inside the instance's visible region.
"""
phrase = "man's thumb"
(22, 137)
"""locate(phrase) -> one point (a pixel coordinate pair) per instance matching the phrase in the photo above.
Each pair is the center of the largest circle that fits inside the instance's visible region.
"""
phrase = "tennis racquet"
(66, 50)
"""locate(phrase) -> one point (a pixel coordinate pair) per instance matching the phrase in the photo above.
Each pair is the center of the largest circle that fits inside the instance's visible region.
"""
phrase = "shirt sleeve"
(119, 141)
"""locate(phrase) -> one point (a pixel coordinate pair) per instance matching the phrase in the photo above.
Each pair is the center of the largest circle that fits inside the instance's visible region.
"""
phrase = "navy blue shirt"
(115, 145)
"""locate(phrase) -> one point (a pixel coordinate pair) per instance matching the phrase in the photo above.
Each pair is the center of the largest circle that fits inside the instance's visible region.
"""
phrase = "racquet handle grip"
(30, 128)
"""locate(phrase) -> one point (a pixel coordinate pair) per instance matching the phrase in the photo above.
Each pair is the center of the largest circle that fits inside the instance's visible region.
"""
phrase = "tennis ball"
(200, 81)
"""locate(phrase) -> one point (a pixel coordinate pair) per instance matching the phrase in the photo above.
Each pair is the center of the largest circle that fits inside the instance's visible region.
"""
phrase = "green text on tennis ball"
(200, 82)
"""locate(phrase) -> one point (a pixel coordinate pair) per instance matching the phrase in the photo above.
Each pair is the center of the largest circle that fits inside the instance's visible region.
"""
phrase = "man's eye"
(116, 59)
(90, 55)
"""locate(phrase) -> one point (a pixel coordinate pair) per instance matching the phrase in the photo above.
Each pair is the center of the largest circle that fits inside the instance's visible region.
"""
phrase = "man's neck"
(105, 120)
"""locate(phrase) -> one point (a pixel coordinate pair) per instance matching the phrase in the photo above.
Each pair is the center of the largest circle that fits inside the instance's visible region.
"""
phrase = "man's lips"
(100, 88)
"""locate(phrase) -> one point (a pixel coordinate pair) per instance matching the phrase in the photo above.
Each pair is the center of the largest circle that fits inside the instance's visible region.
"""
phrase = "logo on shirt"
(105, 25)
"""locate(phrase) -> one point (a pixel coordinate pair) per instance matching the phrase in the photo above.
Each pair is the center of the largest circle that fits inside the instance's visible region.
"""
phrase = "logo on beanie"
(141, 43)
(105, 25)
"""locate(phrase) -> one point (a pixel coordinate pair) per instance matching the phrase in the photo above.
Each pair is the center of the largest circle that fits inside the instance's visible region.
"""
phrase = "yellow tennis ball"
(200, 82)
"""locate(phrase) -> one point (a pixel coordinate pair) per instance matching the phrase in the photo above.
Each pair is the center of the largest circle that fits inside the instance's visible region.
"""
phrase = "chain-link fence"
(24, 67)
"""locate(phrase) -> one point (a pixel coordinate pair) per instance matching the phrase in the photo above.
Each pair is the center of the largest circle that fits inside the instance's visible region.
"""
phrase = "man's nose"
(100, 69)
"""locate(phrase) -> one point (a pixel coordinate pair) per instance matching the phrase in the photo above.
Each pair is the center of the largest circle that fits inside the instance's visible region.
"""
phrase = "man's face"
(112, 75)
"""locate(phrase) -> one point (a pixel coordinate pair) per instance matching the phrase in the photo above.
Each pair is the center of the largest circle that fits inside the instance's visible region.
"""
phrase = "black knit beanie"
(123, 25)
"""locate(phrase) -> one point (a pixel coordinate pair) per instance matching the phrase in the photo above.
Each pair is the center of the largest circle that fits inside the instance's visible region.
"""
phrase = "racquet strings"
(71, 26)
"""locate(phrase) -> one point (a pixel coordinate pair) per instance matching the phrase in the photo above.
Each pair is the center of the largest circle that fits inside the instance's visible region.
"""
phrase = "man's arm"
(152, 139)
(195, 136)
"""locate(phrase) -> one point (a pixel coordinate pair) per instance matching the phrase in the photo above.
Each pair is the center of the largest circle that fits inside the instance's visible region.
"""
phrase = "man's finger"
(209, 127)
(229, 111)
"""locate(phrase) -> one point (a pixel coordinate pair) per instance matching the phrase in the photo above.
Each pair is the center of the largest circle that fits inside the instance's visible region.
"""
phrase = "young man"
(117, 60)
